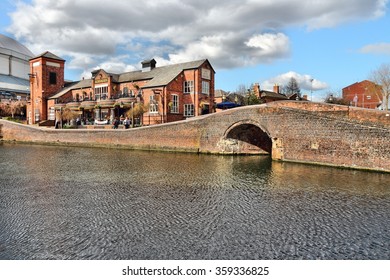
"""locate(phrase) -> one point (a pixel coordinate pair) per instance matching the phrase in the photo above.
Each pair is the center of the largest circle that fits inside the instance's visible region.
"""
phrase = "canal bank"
(293, 132)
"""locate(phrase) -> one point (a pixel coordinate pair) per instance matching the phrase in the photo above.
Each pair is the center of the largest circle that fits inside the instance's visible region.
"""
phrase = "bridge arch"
(248, 136)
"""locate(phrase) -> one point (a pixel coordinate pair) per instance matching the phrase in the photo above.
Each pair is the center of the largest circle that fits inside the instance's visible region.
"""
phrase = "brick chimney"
(276, 88)
(256, 89)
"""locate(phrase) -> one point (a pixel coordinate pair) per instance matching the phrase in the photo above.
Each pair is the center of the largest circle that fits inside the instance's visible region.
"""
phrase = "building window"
(188, 110)
(153, 105)
(175, 103)
(205, 87)
(125, 91)
(188, 86)
(101, 92)
(52, 113)
(53, 78)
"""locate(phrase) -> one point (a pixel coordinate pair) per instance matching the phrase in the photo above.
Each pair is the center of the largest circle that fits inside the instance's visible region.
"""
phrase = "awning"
(227, 105)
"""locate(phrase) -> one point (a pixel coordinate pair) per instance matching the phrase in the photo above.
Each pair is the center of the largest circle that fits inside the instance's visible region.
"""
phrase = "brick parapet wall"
(181, 137)
(328, 136)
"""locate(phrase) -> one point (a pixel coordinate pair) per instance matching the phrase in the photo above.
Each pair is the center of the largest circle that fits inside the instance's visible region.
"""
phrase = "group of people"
(126, 122)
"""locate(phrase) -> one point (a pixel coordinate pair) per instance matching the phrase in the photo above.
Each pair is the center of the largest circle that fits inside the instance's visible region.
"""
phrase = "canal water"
(89, 203)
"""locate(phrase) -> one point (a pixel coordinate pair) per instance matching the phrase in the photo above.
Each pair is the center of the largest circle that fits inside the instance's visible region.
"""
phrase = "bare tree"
(292, 88)
(242, 90)
(16, 107)
(381, 76)
(12, 107)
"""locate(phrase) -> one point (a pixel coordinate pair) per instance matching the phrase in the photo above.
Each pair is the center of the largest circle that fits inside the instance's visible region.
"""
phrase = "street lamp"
(132, 114)
(161, 93)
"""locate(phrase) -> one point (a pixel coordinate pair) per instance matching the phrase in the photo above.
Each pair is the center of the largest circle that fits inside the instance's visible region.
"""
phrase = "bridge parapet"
(375, 117)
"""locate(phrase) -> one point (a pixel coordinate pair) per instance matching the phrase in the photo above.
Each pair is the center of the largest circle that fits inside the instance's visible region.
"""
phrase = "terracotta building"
(365, 94)
(168, 93)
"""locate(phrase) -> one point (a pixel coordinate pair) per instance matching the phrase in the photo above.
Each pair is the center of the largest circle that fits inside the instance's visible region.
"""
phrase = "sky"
(325, 45)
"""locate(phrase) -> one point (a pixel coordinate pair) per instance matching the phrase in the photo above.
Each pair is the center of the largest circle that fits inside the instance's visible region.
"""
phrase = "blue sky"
(335, 43)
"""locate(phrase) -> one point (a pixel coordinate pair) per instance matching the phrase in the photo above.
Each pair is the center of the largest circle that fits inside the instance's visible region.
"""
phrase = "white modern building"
(14, 69)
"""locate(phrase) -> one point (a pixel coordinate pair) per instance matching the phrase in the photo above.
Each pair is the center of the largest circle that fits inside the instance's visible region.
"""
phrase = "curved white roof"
(11, 46)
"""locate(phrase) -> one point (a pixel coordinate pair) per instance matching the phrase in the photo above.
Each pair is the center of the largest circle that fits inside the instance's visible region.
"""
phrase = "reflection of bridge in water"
(287, 130)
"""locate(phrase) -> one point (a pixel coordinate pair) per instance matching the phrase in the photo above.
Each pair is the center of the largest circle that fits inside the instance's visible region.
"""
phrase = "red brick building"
(168, 93)
(46, 78)
(365, 94)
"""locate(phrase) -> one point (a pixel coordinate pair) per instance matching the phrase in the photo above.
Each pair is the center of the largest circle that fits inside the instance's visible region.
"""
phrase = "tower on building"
(46, 79)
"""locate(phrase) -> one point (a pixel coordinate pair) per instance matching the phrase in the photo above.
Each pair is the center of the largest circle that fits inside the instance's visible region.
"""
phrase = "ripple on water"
(81, 203)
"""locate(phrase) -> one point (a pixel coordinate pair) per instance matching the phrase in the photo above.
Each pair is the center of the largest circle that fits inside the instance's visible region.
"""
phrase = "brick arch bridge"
(306, 132)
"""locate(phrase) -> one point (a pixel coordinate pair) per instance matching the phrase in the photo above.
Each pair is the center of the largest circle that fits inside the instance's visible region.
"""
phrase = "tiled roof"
(48, 55)
(265, 93)
(219, 93)
(159, 76)
(75, 85)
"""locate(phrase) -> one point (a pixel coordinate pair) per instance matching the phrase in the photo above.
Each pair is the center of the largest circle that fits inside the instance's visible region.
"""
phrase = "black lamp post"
(161, 93)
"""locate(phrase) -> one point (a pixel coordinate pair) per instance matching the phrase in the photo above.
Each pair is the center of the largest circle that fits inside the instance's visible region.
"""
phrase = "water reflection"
(80, 203)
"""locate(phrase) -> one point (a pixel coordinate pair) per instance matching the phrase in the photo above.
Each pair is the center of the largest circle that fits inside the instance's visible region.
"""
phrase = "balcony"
(59, 106)
(127, 100)
(88, 104)
(73, 105)
(105, 102)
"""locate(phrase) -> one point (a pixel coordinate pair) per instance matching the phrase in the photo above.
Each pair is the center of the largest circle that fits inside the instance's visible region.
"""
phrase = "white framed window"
(205, 87)
(175, 103)
(153, 105)
(101, 92)
(188, 86)
(52, 113)
(188, 110)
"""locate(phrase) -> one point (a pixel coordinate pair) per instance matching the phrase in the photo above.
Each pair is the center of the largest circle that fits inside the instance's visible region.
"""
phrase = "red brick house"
(169, 93)
(365, 94)
(267, 96)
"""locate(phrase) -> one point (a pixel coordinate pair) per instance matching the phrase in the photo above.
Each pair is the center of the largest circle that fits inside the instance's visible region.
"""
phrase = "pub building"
(168, 93)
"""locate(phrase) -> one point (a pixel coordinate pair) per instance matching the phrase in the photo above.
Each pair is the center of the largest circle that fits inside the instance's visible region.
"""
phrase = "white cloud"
(228, 32)
(305, 82)
(380, 48)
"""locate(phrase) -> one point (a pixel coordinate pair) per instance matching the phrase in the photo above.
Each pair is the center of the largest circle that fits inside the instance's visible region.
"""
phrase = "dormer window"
(148, 65)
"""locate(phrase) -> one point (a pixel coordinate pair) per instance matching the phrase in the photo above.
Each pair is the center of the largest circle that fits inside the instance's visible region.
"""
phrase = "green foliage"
(336, 100)
(138, 110)
(252, 99)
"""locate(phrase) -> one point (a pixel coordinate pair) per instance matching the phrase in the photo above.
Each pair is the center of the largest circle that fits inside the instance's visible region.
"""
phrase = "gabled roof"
(160, 76)
(219, 93)
(87, 83)
(48, 54)
(164, 75)
(266, 93)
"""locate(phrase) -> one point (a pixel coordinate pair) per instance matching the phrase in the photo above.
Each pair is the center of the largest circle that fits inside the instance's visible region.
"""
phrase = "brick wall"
(368, 94)
(298, 131)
